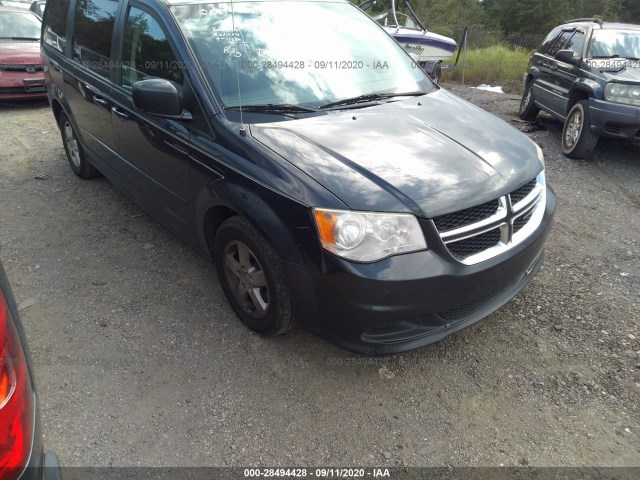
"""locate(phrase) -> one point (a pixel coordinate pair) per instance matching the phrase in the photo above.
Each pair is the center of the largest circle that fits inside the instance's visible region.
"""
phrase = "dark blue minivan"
(333, 184)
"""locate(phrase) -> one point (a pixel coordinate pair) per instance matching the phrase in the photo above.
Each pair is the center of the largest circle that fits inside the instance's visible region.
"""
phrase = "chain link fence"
(481, 37)
(490, 56)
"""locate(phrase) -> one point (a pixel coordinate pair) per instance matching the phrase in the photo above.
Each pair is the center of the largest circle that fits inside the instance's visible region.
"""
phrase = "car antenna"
(243, 130)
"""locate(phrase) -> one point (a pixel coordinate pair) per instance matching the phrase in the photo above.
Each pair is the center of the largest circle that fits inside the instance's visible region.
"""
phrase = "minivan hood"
(429, 155)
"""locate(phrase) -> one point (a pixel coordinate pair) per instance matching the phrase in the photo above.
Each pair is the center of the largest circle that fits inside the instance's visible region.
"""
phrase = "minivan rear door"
(87, 77)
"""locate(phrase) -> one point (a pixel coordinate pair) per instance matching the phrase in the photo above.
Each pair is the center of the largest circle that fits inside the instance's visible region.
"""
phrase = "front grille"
(454, 220)
(39, 88)
(521, 221)
(474, 245)
(21, 67)
(521, 193)
(495, 226)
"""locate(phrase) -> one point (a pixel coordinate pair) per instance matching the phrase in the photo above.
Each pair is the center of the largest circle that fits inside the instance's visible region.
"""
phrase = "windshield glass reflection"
(279, 58)
(615, 43)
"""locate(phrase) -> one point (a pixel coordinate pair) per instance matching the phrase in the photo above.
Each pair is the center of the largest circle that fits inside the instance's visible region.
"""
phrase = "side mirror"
(159, 97)
(567, 56)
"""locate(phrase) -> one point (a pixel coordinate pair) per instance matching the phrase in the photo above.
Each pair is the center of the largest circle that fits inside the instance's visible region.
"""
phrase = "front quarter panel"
(239, 174)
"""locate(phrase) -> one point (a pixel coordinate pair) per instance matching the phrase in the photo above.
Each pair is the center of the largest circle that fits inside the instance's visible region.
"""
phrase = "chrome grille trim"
(532, 204)
(475, 228)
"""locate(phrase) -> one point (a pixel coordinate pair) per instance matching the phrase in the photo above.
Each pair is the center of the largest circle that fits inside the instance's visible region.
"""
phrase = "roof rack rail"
(595, 20)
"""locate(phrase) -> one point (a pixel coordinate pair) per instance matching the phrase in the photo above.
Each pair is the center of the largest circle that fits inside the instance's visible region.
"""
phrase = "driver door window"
(146, 52)
(576, 44)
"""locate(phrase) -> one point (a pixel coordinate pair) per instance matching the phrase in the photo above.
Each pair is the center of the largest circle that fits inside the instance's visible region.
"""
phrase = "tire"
(528, 109)
(75, 154)
(577, 139)
(436, 73)
(252, 277)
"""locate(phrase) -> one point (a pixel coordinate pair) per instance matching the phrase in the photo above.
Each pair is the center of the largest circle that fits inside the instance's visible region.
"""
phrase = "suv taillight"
(16, 398)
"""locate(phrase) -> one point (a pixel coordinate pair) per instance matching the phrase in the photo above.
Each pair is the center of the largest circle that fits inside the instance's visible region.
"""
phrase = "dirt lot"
(140, 361)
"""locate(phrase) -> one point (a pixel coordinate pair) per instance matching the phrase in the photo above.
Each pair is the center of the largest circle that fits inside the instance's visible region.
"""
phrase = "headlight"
(366, 236)
(621, 93)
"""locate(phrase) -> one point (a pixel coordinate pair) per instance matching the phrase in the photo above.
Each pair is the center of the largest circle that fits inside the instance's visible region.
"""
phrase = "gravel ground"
(140, 361)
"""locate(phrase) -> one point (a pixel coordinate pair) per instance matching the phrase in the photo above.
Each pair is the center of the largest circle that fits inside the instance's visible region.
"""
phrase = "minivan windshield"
(296, 53)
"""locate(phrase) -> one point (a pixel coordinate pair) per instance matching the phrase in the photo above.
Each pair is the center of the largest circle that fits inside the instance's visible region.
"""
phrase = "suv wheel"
(577, 139)
(528, 109)
(252, 277)
(77, 159)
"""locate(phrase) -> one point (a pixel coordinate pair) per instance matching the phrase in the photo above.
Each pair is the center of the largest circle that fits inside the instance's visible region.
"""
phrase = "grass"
(493, 65)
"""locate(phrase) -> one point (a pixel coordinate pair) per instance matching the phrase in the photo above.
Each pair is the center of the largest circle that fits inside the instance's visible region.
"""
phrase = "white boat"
(427, 48)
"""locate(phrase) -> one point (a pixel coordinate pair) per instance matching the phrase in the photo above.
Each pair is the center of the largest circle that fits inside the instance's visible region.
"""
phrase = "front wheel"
(252, 277)
(577, 139)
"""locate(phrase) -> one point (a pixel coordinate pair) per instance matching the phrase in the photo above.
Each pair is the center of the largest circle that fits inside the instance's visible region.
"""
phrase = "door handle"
(100, 101)
(540, 63)
(119, 113)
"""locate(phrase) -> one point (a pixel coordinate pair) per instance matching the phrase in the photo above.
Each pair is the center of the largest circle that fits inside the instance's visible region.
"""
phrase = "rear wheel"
(528, 109)
(577, 139)
(252, 277)
(75, 154)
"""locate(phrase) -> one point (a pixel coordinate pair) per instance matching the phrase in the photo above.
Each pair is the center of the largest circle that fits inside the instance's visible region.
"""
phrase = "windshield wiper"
(272, 108)
(622, 57)
(370, 97)
(20, 38)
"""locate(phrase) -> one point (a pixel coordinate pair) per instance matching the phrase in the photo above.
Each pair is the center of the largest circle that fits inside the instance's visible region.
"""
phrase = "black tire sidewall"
(239, 229)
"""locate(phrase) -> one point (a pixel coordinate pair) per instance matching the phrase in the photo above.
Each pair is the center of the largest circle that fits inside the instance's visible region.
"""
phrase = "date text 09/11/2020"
(317, 472)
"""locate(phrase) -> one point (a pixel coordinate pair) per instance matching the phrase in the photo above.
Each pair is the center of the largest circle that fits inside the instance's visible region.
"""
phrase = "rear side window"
(92, 34)
(55, 24)
(146, 52)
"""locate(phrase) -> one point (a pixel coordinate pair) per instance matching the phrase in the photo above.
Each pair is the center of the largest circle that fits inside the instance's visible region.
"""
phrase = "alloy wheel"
(72, 144)
(246, 279)
(574, 127)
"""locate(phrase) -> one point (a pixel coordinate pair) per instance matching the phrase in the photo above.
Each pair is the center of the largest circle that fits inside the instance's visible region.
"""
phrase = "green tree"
(630, 11)
(531, 16)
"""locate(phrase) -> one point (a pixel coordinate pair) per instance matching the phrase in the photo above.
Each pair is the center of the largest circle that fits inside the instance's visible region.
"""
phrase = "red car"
(21, 75)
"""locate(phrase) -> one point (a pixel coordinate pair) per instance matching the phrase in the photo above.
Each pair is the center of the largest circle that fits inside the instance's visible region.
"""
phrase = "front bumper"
(614, 120)
(22, 86)
(408, 301)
